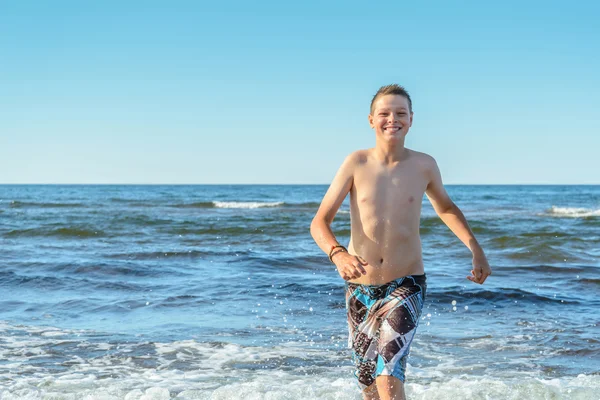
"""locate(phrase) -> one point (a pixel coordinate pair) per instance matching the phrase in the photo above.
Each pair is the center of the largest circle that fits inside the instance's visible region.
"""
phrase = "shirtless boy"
(383, 265)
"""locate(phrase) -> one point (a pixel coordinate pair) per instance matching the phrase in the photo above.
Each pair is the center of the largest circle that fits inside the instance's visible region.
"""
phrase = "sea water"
(219, 292)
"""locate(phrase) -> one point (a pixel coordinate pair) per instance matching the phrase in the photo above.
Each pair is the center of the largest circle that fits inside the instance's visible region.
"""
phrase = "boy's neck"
(389, 153)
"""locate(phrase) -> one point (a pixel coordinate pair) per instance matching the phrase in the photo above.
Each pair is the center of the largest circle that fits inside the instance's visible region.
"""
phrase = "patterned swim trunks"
(382, 321)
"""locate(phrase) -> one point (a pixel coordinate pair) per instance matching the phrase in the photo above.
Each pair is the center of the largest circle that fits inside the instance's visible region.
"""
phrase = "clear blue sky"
(279, 92)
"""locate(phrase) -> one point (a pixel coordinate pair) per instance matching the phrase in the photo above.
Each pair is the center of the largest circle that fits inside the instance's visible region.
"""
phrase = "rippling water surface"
(218, 292)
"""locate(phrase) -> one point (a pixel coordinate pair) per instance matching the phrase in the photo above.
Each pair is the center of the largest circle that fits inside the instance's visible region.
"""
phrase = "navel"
(381, 261)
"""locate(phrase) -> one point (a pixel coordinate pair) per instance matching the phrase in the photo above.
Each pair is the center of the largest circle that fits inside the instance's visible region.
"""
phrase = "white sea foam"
(581, 387)
(190, 369)
(275, 385)
(573, 212)
(246, 204)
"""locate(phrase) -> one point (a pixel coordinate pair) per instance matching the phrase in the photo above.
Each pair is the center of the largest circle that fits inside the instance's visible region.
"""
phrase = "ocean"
(219, 292)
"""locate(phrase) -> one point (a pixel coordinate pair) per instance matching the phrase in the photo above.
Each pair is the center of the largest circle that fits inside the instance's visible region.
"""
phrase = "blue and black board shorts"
(382, 321)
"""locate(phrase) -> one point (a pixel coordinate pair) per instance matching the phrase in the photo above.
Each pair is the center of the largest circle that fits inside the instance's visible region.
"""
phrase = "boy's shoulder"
(357, 158)
(422, 158)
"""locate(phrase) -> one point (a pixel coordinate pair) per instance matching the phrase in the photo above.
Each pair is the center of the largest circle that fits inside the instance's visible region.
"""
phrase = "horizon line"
(280, 184)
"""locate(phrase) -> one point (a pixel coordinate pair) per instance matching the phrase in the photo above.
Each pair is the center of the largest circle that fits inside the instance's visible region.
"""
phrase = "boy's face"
(391, 117)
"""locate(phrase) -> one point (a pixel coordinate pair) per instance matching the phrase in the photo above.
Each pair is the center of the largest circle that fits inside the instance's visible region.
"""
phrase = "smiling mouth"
(392, 128)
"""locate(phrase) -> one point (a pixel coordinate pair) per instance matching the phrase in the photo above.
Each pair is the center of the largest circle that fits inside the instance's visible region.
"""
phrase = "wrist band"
(335, 247)
(333, 252)
(336, 252)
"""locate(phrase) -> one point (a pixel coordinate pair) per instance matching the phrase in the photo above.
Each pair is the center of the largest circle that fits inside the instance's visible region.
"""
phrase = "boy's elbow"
(313, 230)
(446, 208)
(313, 225)
(316, 225)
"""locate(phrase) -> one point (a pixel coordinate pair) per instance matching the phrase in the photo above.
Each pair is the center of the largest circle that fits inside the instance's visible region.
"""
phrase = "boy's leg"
(390, 388)
(370, 393)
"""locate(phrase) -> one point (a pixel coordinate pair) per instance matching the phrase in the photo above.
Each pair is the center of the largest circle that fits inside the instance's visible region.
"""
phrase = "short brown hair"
(392, 89)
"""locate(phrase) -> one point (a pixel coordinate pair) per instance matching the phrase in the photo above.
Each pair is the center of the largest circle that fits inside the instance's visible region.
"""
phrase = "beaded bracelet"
(335, 247)
(333, 252)
(336, 252)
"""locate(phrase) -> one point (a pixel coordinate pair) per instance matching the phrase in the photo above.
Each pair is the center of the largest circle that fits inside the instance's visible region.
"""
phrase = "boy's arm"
(349, 267)
(456, 221)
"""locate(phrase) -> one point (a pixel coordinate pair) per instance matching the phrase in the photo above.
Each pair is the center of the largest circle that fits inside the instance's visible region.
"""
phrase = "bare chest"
(394, 190)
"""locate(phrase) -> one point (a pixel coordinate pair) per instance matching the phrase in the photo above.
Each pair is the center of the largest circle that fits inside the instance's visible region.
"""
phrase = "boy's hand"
(349, 266)
(481, 269)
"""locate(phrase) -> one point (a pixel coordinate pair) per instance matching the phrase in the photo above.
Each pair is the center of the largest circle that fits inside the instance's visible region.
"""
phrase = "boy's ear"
(371, 120)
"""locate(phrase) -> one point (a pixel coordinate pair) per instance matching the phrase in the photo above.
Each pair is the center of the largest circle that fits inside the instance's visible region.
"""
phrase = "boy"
(383, 266)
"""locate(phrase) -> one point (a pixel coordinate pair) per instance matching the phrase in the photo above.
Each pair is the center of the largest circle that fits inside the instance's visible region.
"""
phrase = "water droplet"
(310, 309)
(453, 308)
(453, 302)
(466, 307)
